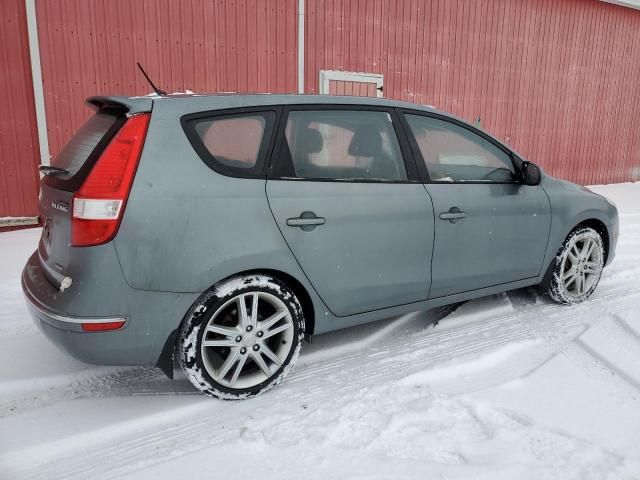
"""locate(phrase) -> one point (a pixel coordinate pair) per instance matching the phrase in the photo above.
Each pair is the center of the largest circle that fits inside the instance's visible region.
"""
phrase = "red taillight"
(102, 327)
(99, 204)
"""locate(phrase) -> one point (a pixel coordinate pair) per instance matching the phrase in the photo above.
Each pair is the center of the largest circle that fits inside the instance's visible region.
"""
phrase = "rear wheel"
(578, 267)
(242, 337)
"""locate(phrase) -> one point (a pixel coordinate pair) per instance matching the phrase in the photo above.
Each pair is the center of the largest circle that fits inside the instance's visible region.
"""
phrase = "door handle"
(454, 215)
(304, 222)
(307, 221)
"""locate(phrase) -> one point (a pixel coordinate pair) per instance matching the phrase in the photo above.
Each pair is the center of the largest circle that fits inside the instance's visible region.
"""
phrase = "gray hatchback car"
(225, 229)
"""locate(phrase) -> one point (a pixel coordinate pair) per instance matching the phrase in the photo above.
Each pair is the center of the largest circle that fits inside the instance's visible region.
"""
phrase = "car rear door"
(345, 195)
(490, 228)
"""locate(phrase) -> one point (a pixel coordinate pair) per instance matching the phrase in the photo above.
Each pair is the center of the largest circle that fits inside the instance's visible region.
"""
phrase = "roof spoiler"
(131, 104)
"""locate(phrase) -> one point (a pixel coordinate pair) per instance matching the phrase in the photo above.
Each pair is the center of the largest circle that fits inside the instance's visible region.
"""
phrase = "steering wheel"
(491, 175)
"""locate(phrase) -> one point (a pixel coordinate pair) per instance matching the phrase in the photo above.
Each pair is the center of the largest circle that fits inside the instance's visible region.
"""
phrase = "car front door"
(490, 228)
(345, 194)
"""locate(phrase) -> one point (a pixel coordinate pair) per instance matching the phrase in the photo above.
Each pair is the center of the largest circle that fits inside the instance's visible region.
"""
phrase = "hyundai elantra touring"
(224, 230)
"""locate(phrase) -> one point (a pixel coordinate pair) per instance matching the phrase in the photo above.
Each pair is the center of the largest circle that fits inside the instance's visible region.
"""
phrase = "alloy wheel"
(247, 339)
(582, 266)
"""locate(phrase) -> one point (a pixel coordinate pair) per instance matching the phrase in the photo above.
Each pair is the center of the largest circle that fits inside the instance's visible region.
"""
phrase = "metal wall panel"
(90, 47)
(557, 80)
(19, 154)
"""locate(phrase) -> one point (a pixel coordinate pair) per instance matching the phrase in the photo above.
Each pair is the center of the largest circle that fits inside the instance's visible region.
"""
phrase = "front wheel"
(578, 267)
(242, 337)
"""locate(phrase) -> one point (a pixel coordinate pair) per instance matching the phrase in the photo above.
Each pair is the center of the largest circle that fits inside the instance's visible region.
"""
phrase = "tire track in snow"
(605, 365)
(349, 374)
(596, 366)
(623, 324)
(142, 380)
(598, 363)
(85, 384)
(130, 381)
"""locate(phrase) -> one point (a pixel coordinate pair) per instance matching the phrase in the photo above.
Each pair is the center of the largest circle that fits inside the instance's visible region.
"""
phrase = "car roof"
(294, 98)
(230, 100)
(187, 103)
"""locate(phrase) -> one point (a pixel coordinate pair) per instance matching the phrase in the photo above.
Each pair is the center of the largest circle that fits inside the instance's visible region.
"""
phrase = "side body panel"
(502, 238)
(572, 204)
(186, 227)
(374, 251)
(99, 290)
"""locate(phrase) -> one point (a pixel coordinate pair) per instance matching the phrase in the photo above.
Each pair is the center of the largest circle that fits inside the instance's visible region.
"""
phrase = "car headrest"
(311, 140)
(366, 142)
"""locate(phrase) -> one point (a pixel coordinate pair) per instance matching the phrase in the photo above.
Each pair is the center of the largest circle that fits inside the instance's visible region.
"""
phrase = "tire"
(578, 267)
(220, 343)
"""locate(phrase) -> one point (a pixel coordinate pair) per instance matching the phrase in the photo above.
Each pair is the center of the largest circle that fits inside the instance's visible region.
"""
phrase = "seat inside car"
(308, 141)
(372, 161)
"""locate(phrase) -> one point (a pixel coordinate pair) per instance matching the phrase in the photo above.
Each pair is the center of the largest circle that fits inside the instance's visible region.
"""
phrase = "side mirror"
(531, 174)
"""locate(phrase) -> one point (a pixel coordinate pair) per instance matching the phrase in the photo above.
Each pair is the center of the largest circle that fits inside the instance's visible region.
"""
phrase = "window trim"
(421, 164)
(264, 152)
(413, 175)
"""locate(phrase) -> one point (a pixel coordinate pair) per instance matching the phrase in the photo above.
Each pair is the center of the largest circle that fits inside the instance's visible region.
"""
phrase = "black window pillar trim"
(259, 170)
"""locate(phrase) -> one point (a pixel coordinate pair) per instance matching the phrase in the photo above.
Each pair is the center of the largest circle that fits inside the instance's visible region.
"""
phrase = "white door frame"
(327, 75)
(36, 79)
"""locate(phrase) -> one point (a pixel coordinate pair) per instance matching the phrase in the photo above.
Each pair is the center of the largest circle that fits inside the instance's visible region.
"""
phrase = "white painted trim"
(17, 221)
(301, 46)
(328, 75)
(36, 78)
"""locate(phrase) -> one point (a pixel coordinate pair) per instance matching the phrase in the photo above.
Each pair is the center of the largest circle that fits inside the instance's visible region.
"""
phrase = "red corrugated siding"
(19, 153)
(557, 80)
(91, 48)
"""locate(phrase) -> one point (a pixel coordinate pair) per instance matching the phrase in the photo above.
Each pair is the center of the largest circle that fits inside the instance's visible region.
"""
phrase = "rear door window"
(233, 144)
(338, 144)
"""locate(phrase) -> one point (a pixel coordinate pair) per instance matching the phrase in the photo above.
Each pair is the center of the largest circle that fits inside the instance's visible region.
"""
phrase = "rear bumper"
(150, 318)
(58, 320)
(66, 332)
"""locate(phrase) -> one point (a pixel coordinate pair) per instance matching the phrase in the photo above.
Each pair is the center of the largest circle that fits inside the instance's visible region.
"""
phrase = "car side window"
(452, 153)
(234, 143)
(341, 145)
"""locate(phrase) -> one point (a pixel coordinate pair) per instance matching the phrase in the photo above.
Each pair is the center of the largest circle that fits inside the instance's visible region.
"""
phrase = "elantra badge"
(61, 206)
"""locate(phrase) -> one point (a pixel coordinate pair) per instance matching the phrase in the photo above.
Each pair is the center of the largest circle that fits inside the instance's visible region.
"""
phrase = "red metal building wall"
(19, 153)
(90, 47)
(557, 80)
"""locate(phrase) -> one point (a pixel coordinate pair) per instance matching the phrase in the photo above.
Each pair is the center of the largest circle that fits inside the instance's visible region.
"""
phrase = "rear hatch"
(72, 166)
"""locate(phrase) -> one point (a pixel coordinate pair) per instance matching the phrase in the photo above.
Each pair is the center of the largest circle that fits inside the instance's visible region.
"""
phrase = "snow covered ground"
(509, 386)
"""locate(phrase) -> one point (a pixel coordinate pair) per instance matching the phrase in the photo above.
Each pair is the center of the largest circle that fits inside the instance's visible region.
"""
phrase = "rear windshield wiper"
(52, 171)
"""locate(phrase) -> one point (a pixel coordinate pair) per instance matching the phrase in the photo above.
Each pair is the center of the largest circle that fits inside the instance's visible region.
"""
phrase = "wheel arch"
(299, 290)
(592, 222)
(600, 227)
(166, 360)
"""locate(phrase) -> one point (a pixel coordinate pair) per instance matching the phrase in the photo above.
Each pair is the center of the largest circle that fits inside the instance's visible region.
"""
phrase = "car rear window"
(76, 152)
(234, 141)
(233, 144)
